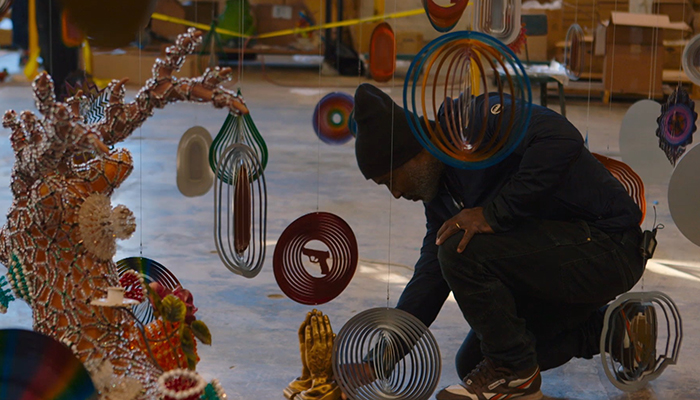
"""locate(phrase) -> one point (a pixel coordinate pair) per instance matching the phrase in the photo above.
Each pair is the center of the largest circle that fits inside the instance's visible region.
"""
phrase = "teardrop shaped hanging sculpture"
(240, 213)
(382, 53)
(574, 52)
(443, 19)
(498, 18)
(237, 129)
(194, 177)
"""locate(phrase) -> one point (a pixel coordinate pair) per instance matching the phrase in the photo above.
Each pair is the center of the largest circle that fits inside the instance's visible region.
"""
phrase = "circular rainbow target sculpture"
(37, 366)
(337, 264)
(386, 353)
(642, 336)
(451, 70)
(332, 118)
(574, 52)
(151, 271)
(240, 221)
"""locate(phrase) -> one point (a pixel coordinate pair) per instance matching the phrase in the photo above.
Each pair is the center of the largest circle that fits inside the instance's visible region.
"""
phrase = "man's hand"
(469, 220)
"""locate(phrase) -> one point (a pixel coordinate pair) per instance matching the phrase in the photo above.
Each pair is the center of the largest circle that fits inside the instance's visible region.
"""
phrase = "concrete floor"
(255, 348)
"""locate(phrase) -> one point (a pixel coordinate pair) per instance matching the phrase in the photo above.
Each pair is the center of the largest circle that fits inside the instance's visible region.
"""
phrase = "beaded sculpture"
(58, 240)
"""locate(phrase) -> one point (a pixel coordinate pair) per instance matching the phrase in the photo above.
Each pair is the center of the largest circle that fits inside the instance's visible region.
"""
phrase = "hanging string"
(140, 157)
(680, 63)
(318, 121)
(391, 177)
(590, 73)
(612, 70)
(654, 57)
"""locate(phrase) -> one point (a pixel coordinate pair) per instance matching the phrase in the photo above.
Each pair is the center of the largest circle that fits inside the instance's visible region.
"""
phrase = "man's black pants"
(533, 295)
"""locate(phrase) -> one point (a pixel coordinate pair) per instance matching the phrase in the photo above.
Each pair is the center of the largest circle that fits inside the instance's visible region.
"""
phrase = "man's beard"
(427, 181)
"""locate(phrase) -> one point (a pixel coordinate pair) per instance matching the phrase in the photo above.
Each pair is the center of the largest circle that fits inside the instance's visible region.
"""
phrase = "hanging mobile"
(240, 221)
(443, 19)
(382, 53)
(676, 124)
(386, 353)
(337, 264)
(237, 129)
(331, 119)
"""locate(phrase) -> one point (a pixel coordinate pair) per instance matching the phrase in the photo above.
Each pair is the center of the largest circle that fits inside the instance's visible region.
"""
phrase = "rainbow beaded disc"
(402, 354)
(38, 367)
(332, 117)
(152, 271)
(453, 70)
(305, 239)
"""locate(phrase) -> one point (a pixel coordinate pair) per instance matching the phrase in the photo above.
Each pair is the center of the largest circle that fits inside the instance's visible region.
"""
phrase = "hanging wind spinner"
(36, 366)
(499, 19)
(574, 52)
(642, 335)
(382, 53)
(443, 19)
(151, 271)
(676, 124)
(237, 129)
(403, 355)
(691, 59)
(329, 245)
(4, 7)
(452, 70)
(520, 42)
(240, 221)
(331, 118)
(628, 178)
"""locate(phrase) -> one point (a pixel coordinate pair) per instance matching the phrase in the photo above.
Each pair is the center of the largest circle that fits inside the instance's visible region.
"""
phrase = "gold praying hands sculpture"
(316, 347)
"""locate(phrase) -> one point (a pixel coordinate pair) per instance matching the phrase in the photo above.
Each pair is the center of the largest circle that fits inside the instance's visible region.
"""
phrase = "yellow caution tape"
(295, 31)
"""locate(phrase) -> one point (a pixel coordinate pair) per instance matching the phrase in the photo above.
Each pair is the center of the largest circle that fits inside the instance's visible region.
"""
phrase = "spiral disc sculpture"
(151, 271)
(628, 178)
(237, 129)
(445, 70)
(574, 52)
(5, 6)
(500, 21)
(240, 221)
(642, 335)
(337, 265)
(443, 19)
(331, 118)
(402, 352)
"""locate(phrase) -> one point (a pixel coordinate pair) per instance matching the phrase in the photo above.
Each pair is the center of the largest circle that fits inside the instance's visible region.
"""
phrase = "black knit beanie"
(373, 114)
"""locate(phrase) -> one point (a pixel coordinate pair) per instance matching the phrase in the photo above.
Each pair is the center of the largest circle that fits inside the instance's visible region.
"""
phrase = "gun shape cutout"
(318, 257)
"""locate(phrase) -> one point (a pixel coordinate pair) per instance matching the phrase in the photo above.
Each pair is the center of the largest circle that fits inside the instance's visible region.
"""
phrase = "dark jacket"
(550, 175)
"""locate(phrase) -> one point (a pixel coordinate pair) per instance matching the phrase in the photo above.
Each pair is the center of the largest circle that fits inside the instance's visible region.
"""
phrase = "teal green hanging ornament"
(213, 391)
(5, 295)
(237, 17)
(237, 129)
(19, 281)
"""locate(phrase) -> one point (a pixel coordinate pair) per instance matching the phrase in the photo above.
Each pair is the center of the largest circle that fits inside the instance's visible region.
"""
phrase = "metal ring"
(457, 225)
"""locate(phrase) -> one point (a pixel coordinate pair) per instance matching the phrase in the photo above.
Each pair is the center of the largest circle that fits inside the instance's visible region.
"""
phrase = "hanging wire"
(612, 70)
(391, 180)
(654, 57)
(590, 75)
(318, 121)
(140, 158)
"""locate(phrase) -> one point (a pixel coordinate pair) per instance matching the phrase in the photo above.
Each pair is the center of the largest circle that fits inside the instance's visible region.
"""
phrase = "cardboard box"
(273, 17)
(130, 64)
(202, 12)
(5, 37)
(591, 63)
(409, 42)
(672, 55)
(630, 62)
(169, 30)
(556, 32)
(677, 10)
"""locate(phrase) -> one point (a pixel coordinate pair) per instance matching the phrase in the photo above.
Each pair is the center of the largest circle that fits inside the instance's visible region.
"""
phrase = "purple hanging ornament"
(676, 124)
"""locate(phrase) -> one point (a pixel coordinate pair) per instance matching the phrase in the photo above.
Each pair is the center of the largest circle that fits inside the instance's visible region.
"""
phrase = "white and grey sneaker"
(490, 382)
